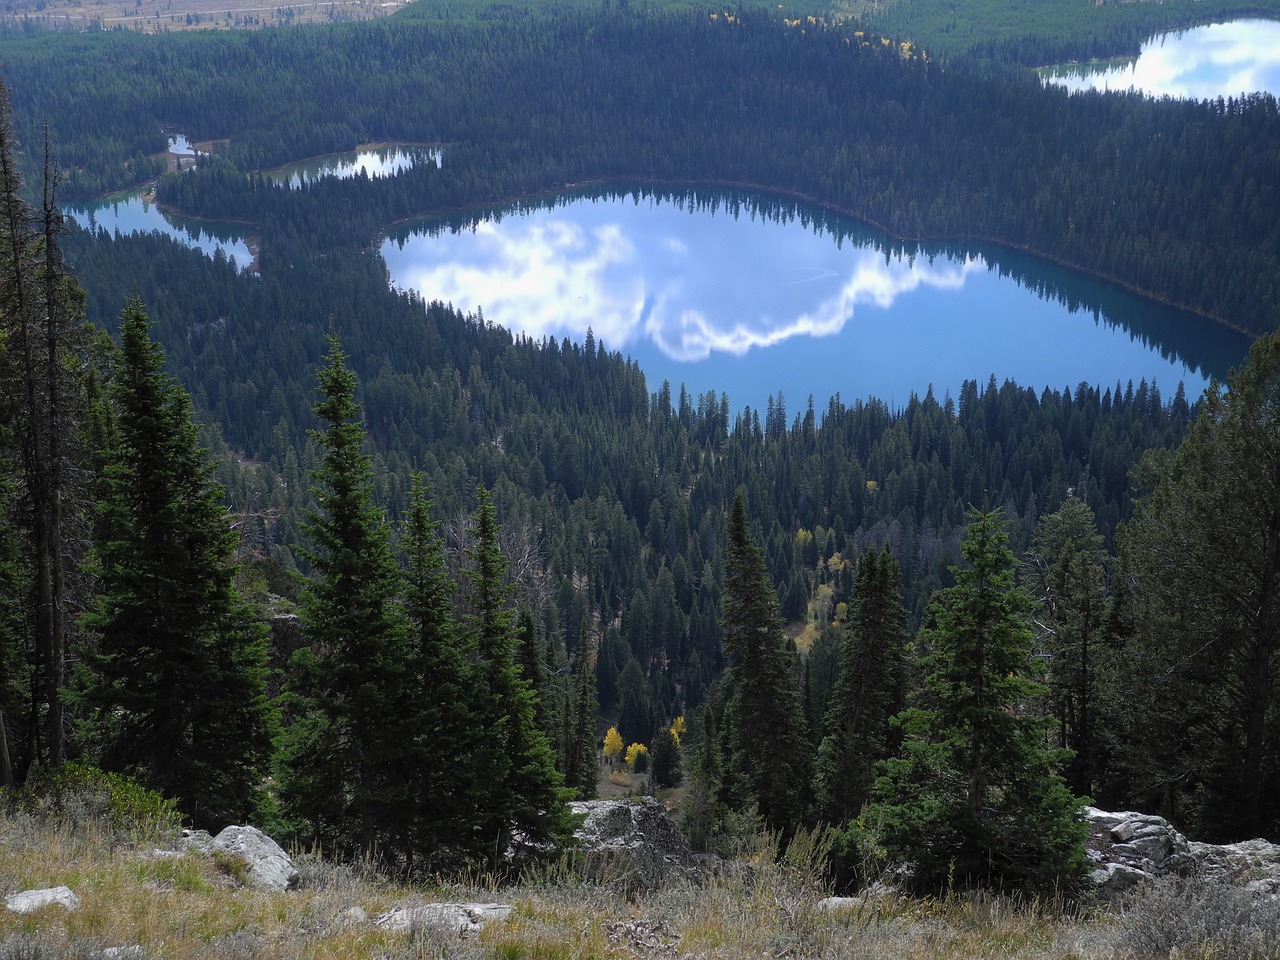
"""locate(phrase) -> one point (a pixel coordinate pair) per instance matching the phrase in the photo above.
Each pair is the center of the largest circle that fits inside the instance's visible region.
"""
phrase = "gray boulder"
(1128, 849)
(267, 867)
(30, 900)
(634, 842)
(456, 918)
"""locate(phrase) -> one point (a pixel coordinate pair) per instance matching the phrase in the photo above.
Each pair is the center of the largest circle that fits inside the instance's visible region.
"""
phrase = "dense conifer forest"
(534, 518)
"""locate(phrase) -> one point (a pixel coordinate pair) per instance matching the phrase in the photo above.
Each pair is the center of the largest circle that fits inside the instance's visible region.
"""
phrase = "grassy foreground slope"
(194, 908)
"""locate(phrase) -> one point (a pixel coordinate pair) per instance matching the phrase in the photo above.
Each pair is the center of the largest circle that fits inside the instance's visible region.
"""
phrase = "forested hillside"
(609, 548)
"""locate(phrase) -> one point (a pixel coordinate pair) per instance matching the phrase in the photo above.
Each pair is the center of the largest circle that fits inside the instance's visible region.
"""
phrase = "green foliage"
(82, 794)
(767, 751)
(703, 811)
(665, 759)
(975, 798)
(522, 804)
(1040, 31)
(1203, 554)
(1066, 572)
(172, 682)
(868, 692)
(581, 769)
(344, 760)
(443, 781)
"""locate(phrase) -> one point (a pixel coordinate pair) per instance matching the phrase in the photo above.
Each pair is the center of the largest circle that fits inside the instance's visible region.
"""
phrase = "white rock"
(30, 900)
(134, 952)
(458, 918)
(1113, 879)
(267, 866)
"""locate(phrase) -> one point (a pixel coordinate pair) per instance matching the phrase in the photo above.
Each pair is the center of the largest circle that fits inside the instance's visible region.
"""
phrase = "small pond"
(381, 161)
(131, 213)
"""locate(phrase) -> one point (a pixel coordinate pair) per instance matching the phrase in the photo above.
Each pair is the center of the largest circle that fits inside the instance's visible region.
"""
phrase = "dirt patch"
(162, 16)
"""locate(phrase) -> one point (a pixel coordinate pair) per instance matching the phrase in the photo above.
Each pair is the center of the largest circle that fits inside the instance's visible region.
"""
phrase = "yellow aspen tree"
(612, 744)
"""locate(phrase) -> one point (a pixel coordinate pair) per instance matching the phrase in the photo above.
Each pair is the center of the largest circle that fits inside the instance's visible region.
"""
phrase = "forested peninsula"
(294, 546)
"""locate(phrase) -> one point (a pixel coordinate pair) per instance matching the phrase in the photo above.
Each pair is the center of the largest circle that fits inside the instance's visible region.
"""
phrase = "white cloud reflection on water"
(1222, 59)
(688, 334)
(545, 276)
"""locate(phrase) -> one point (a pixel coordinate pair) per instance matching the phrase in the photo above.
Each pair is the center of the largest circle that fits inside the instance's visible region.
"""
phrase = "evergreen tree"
(974, 799)
(14, 674)
(703, 813)
(40, 312)
(173, 686)
(867, 693)
(767, 751)
(1066, 571)
(523, 806)
(582, 769)
(443, 779)
(1203, 550)
(346, 760)
(666, 759)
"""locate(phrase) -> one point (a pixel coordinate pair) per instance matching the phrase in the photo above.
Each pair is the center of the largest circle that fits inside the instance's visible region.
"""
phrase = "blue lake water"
(1218, 60)
(708, 291)
(132, 213)
(385, 161)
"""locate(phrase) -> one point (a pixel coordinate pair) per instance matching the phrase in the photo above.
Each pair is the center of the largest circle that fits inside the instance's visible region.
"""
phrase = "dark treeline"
(1164, 196)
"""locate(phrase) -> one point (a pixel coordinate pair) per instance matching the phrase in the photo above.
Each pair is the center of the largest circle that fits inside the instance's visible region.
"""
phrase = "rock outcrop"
(634, 842)
(1129, 848)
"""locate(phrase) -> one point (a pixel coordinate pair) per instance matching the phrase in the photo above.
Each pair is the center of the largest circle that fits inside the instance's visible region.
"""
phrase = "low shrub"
(84, 796)
(1200, 918)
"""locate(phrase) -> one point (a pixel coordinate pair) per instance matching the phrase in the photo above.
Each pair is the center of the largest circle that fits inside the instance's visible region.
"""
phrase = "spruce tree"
(667, 771)
(975, 798)
(44, 342)
(582, 769)
(443, 724)
(1203, 550)
(523, 810)
(173, 682)
(346, 759)
(1066, 571)
(767, 752)
(867, 693)
(703, 812)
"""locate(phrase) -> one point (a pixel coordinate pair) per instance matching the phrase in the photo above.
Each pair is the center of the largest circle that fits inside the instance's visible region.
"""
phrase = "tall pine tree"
(346, 761)
(1203, 550)
(444, 723)
(867, 693)
(767, 752)
(524, 809)
(173, 686)
(975, 798)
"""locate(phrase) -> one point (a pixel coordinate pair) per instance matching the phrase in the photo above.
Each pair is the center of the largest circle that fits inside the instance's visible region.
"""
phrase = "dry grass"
(165, 16)
(192, 908)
